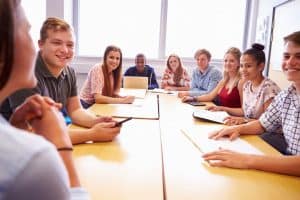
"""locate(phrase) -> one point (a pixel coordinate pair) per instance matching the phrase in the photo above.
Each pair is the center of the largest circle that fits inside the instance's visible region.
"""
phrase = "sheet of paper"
(140, 109)
(204, 144)
(138, 102)
(159, 90)
(137, 93)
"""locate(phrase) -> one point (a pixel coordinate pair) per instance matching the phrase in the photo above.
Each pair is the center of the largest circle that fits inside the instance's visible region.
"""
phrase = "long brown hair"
(116, 73)
(7, 32)
(179, 71)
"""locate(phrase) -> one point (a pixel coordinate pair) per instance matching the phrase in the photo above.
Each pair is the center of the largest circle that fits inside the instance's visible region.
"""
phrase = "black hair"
(7, 29)
(256, 51)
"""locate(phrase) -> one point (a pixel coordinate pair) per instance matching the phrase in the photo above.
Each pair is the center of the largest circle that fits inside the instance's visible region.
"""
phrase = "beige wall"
(279, 78)
(265, 8)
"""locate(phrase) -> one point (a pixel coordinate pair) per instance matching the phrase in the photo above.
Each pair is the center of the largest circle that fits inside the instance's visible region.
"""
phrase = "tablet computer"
(196, 103)
(214, 116)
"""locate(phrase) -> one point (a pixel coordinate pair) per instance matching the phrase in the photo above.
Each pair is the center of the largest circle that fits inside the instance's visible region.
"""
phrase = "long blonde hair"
(237, 55)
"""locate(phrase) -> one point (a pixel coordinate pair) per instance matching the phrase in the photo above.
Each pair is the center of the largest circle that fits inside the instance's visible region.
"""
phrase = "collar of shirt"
(205, 72)
(294, 96)
(145, 71)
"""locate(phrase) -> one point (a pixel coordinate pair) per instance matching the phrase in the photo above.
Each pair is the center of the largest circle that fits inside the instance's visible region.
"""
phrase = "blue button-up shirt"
(203, 83)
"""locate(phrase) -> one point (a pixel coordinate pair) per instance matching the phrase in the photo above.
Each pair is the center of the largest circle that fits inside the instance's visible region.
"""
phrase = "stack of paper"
(159, 90)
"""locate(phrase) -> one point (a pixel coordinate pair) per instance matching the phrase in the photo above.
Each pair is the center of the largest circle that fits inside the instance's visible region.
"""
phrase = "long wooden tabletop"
(153, 159)
(187, 176)
(142, 108)
(130, 167)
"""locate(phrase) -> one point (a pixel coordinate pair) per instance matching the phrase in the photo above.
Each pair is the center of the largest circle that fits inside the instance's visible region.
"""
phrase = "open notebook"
(137, 93)
(147, 108)
(201, 141)
(216, 116)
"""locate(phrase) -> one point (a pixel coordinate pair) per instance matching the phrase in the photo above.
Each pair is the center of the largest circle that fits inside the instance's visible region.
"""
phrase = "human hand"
(104, 132)
(127, 99)
(187, 99)
(214, 108)
(169, 88)
(100, 119)
(166, 76)
(30, 109)
(51, 125)
(233, 132)
(228, 158)
(232, 120)
(182, 94)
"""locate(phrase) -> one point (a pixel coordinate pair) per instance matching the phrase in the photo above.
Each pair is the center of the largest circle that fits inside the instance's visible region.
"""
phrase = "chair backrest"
(137, 82)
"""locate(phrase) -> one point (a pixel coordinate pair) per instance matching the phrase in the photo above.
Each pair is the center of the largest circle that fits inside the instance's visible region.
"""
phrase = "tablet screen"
(196, 103)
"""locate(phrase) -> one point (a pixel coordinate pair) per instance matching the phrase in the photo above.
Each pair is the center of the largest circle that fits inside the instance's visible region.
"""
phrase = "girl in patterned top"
(229, 89)
(104, 81)
(175, 76)
(258, 91)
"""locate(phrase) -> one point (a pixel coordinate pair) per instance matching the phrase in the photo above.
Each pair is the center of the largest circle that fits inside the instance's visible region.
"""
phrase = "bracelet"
(65, 149)
(194, 98)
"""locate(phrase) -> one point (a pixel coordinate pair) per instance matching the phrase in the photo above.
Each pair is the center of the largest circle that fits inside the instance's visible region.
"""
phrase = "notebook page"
(204, 144)
(137, 93)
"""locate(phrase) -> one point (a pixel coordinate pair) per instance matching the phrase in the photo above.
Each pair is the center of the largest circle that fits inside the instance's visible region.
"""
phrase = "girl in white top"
(258, 91)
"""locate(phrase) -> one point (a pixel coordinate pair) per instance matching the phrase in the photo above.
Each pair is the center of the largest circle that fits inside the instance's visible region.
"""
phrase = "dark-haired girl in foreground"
(31, 166)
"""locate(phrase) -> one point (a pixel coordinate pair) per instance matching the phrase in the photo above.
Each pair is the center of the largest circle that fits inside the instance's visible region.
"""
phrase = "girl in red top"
(229, 89)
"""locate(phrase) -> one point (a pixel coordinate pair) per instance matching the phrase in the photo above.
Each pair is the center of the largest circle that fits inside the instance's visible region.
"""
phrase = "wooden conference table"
(152, 159)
